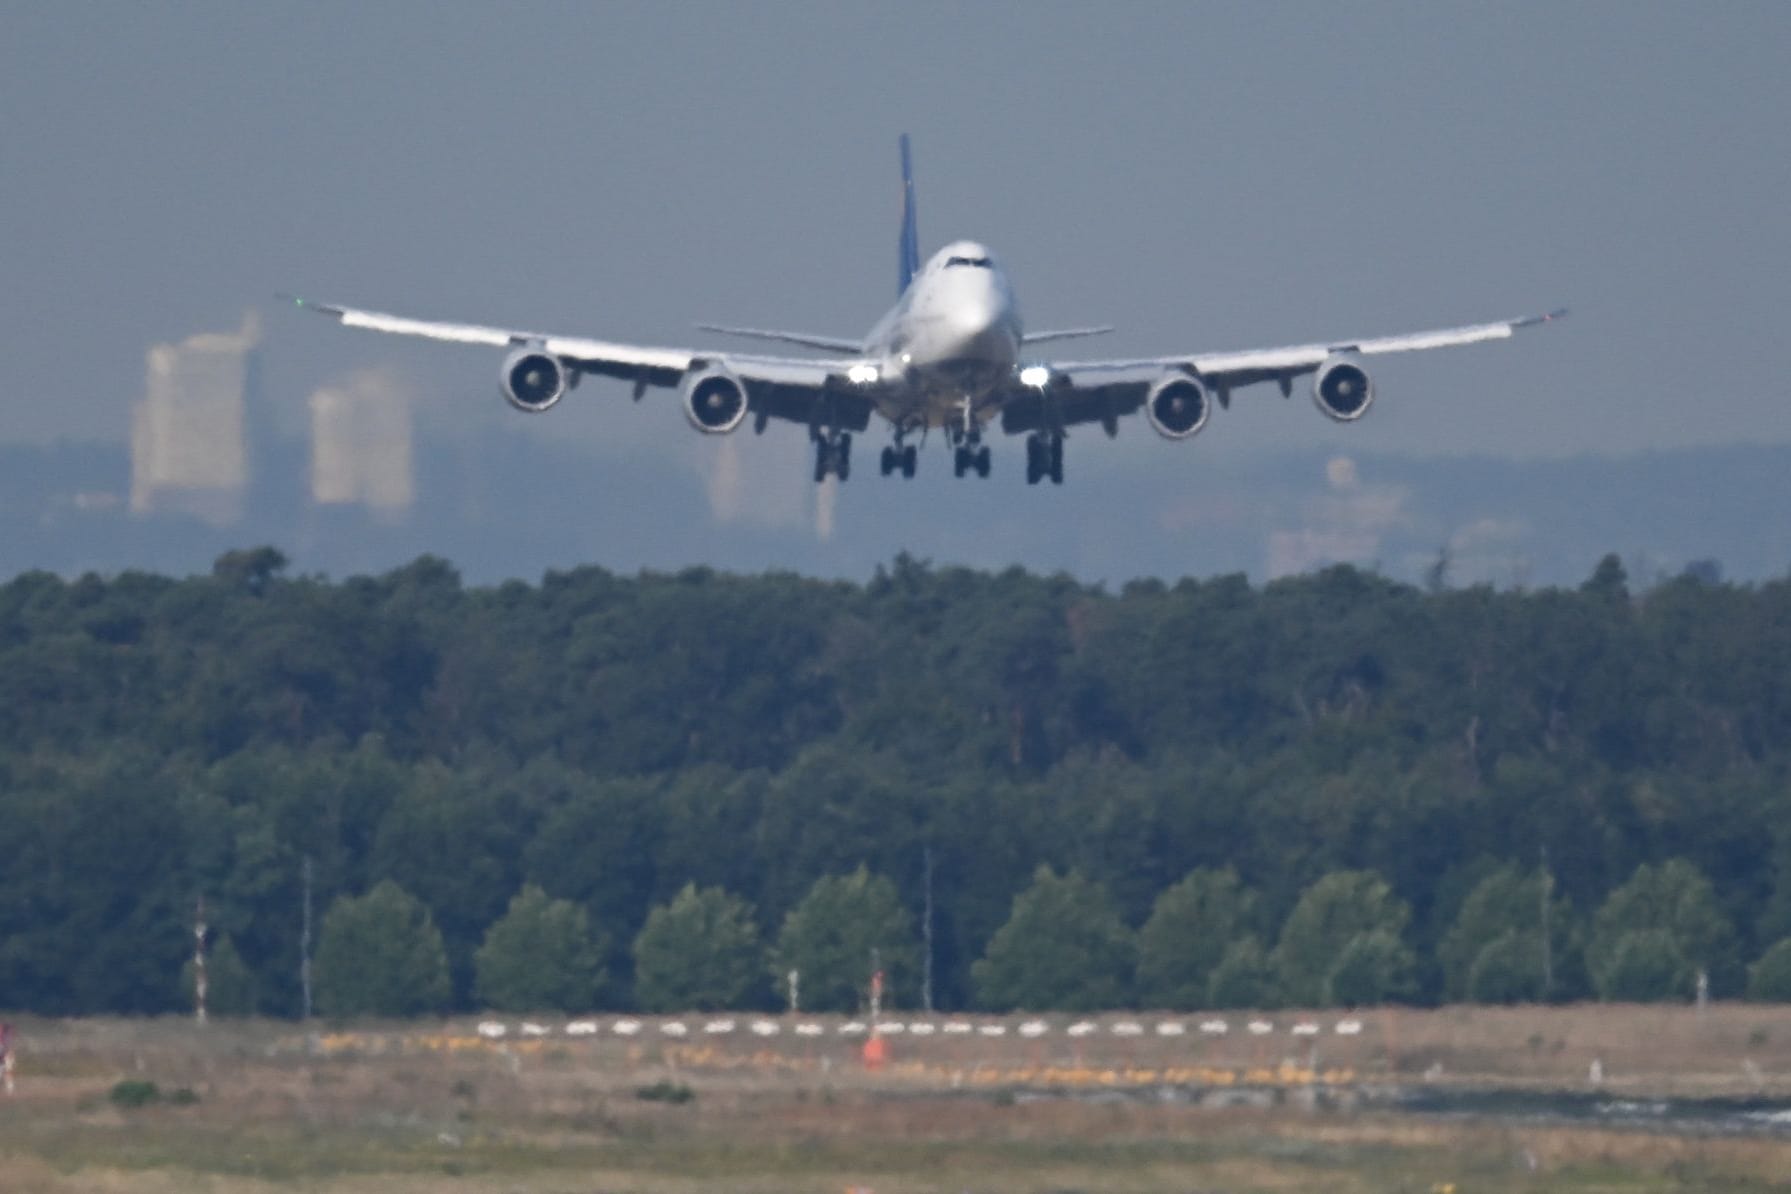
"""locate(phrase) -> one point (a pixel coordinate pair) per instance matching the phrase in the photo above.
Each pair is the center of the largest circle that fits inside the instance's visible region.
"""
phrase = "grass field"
(413, 1108)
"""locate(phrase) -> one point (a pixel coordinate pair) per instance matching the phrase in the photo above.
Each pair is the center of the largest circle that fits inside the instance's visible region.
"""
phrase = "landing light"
(1035, 375)
(862, 375)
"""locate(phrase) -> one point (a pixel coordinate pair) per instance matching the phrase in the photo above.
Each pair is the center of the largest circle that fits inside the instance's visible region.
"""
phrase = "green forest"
(669, 791)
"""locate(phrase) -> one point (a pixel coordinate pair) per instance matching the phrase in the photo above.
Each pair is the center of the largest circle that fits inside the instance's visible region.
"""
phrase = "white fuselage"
(950, 344)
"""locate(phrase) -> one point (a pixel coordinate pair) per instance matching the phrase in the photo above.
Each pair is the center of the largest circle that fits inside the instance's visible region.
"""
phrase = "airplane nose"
(978, 306)
(975, 318)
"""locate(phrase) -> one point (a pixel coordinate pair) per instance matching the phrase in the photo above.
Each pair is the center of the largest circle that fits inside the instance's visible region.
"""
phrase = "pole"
(1546, 882)
(876, 987)
(926, 929)
(199, 961)
(305, 945)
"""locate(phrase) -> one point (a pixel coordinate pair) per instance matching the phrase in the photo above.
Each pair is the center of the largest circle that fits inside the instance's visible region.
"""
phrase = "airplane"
(951, 355)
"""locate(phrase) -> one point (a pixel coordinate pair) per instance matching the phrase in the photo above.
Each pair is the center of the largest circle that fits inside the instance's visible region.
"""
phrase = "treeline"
(1462, 793)
(1065, 947)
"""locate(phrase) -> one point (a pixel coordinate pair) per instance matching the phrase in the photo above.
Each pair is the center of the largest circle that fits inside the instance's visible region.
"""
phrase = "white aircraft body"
(951, 355)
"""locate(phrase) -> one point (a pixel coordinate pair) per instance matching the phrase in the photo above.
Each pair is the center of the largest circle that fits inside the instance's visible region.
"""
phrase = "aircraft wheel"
(1056, 461)
(982, 462)
(886, 462)
(842, 461)
(960, 462)
(910, 461)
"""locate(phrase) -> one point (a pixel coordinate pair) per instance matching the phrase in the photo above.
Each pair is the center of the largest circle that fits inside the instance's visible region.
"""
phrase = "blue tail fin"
(910, 238)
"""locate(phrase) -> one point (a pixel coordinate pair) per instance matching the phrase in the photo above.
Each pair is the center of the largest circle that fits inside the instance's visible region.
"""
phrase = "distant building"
(189, 443)
(361, 446)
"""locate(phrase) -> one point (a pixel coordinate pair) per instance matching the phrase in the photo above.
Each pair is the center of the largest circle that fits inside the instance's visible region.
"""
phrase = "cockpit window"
(978, 262)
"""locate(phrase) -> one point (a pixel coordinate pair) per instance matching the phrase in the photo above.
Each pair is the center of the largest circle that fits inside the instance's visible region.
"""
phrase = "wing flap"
(1072, 406)
(844, 409)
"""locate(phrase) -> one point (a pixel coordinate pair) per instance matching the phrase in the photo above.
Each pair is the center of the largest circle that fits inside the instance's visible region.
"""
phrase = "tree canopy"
(1191, 926)
(1657, 931)
(1495, 951)
(1345, 930)
(844, 926)
(540, 957)
(1063, 947)
(1425, 760)
(699, 952)
(381, 955)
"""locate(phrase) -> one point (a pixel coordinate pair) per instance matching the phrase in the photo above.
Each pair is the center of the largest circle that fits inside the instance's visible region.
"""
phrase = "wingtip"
(305, 304)
(1546, 317)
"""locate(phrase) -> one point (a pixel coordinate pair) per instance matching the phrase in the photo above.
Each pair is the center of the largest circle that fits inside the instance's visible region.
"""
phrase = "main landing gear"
(899, 457)
(833, 454)
(1044, 457)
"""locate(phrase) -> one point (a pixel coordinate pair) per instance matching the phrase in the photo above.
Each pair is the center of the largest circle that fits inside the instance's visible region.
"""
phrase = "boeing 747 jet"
(950, 355)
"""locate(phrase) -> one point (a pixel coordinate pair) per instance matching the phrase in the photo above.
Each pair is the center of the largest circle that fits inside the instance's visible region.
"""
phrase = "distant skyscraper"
(189, 446)
(361, 445)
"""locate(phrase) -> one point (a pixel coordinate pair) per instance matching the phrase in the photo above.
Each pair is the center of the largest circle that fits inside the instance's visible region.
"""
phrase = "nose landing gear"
(969, 453)
(970, 457)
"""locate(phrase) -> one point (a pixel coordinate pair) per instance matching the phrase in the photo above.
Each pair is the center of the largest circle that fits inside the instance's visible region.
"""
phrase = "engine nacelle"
(1178, 405)
(533, 380)
(1342, 388)
(714, 401)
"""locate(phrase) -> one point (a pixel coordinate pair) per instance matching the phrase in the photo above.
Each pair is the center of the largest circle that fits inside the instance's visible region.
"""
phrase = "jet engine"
(1178, 405)
(714, 401)
(1342, 388)
(533, 380)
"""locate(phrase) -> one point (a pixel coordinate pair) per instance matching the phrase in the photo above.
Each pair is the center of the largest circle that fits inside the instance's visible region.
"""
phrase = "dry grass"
(408, 1110)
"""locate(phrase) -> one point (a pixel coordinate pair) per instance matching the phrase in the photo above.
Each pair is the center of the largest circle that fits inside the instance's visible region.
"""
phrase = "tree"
(1608, 580)
(1675, 899)
(381, 955)
(1504, 913)
(451, 839)
(699, 953)
(540, 957)
(1769, 979)
(1063, 947)
(251, 569)
(1374, 968)
(1244, 977)
(1646, 966)
(830, 938)
(1331, 914)
(1507, 969)
(1191, 927)
(94, 915)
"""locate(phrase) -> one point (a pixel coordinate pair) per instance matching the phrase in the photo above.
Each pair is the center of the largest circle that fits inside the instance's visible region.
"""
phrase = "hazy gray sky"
(1204, 176)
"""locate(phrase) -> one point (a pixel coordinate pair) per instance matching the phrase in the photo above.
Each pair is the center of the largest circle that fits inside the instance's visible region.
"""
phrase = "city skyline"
(1210, 176)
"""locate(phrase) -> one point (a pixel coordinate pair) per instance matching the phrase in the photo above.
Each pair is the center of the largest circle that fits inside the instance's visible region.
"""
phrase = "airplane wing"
(805, 339)
(1062, 334)
(1101, 391)
(798, 389)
